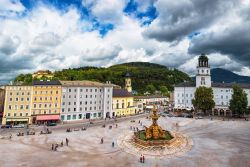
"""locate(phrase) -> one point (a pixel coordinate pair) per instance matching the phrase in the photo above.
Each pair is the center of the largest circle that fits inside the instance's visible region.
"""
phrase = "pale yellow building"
(46, 101)
(122, 103)
(2, 97)
(17, 106)
(123, 100)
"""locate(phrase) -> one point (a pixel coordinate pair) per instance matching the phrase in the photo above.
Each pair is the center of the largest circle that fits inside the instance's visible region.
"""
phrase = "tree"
(238, 103)
(164, 90)
(203, 99)
(151, 89)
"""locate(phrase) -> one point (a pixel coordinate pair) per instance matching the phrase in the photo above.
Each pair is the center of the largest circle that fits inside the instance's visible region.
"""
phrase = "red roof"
(47, 117)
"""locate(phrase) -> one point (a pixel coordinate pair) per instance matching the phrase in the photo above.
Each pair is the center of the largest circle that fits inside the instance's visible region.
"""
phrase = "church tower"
(203, 77)
(128, 85)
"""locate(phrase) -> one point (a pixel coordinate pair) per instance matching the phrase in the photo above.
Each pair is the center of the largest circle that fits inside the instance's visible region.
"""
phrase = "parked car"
(170, 115)
(51, 124)
(199, 117)
(6, 126)
(19, 126)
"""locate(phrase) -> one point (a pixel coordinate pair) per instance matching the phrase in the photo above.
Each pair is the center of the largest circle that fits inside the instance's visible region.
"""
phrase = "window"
(90, 108)
(80, 102)
(74, 116)
(86, 90)
(69, 96)
(62, 109)
(86, 102)
(68, 117)
(74, 109)
(90, 90)
(80, 116)
(10, 99)
(80, 108)
(75, 90)
(74, 103)
(22, 93)
(16, 99)
(26, 114)
(69, 103)
(57, 92)
(86, 96)
(8, 114)
(64, 96)
(40, 105)
(27, 107)
(14, 114)
(68, 109)
(46, 98)
(28, 99)
(80, 90)
(34, 105)
(9, 107)
(63, 103)
(10, 93)
(62, 117)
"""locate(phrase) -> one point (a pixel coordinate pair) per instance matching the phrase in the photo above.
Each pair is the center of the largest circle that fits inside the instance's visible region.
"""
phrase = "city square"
(221, 143)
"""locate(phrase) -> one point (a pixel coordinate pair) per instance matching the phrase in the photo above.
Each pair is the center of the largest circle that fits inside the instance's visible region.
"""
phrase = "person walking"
(52, 147)
(143, 159)
(102, 140)
(113, 144)
(67, 141)
(62, 144)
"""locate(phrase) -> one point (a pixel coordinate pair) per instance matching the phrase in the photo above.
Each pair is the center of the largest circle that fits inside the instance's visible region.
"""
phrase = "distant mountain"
(222, 75)
(143, 74)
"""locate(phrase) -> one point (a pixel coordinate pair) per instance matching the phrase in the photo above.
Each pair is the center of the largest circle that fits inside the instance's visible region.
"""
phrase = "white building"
(85, 100)
(184, 92)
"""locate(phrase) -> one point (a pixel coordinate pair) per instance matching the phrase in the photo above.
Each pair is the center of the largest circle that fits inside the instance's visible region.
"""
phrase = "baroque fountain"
(154, 141)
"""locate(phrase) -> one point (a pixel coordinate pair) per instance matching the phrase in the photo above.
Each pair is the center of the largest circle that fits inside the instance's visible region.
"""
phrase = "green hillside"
(142, 75)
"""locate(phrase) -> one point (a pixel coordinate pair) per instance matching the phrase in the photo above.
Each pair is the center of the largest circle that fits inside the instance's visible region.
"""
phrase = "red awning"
(47, 117)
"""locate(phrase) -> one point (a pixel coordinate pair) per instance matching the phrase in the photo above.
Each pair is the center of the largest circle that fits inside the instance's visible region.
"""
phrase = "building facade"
(2, 98)
(122, 103)
(85, 100)
(17, 105)
(184, 92)
(46, 101)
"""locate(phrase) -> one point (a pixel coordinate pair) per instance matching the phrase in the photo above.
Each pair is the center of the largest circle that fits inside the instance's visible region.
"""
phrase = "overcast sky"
(57, 34)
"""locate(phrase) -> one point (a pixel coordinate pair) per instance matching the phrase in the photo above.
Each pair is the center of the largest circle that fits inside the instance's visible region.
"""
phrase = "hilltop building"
(85, 100)
(43, 73)
(184, 92)
(123, 99)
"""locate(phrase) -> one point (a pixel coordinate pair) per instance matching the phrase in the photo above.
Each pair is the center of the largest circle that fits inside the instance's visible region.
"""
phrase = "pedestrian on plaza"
(62, 143)
(143, 159)
(67, 141)
(113, 144)
(102, 140)
(52, 147)
(56, 147)
(116, 125)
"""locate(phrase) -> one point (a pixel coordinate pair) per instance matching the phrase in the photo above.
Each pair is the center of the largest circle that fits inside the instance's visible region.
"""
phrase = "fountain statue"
(155, 131)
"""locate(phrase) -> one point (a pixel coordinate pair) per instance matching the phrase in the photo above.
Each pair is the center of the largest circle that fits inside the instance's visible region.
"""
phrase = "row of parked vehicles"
(14, 126)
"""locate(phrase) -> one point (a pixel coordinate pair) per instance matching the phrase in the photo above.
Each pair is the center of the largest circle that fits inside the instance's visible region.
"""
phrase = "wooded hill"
(143, 75)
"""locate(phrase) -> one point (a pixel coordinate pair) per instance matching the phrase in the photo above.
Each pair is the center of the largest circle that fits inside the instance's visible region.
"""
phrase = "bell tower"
(128, 84)
(203, 77)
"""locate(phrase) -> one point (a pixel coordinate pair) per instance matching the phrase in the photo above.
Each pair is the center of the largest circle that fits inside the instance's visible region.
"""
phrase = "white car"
(19, 126)
(199, 117)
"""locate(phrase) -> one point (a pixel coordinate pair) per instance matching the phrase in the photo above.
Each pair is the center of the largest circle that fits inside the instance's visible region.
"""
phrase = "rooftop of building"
(121, 93)
(203, 57)
(150, 97)
(85, 83)
(215, 85)
(52, 82)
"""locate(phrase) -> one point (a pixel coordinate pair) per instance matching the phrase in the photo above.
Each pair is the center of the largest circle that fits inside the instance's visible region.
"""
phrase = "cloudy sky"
(56, 34)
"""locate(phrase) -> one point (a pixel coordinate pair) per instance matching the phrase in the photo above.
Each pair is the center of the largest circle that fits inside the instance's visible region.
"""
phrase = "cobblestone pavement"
(215, 143)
